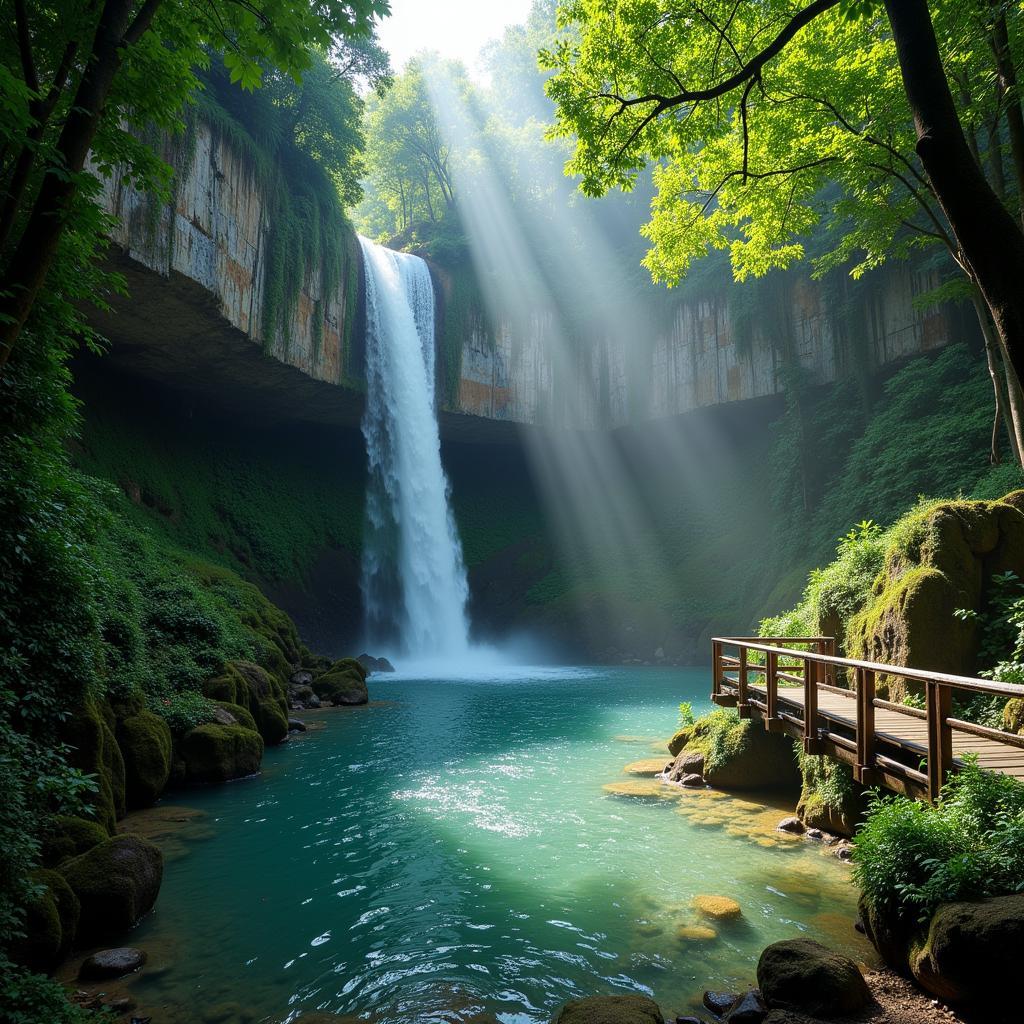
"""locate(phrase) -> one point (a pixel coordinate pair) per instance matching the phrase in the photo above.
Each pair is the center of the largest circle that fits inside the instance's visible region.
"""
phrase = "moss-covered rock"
(241, 715)
(89, 733)
(342, 688)
(890, 929)
(971, 950)
(740, 753)
(67, 836)
(679, 740)
(217, 753)
(262, 694)
(1013, 716)
(941, 558)
(116, 884)
(51, 920)
(349, 665)
(830, 799)
(805, 976)
(610, 1010)
(145, 742)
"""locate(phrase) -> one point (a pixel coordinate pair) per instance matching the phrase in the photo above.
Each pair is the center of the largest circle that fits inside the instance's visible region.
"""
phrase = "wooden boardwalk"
(909, 750)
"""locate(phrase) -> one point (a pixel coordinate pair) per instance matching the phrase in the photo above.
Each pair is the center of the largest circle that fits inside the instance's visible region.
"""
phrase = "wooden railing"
(878, 755)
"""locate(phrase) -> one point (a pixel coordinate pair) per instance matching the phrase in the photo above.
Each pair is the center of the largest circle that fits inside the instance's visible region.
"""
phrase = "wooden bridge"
(789, 683)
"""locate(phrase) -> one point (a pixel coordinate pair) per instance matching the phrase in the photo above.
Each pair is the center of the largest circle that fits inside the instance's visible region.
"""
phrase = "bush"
(184, 711)
(969, 846)
(29, 998)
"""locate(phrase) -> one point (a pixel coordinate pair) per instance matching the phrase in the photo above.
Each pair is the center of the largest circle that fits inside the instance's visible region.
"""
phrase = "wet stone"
(750, 1008)
(719, 1003)
(111, 963)
(791, 824)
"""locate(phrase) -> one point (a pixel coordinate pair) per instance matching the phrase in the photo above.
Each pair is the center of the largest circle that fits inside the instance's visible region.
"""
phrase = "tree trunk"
(1008, 86)
(1008, 407)
(27, 268)
(989, 237)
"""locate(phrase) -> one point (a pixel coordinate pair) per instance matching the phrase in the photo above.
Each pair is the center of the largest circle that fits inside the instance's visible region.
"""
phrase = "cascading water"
(414, 579)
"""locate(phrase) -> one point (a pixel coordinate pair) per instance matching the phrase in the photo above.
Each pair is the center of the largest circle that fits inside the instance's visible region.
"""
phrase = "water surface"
(450, 854)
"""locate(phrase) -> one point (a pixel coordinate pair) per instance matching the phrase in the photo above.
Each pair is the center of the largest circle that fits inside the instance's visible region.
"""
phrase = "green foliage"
(825, 780)
(686, 714)
(183, 711)
(717, 735)
(32, 999)
(969, 846)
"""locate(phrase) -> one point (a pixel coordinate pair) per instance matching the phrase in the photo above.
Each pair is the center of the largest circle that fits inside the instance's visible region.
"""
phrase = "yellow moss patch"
(719, 908)
(648, 766)
(643, 788)
(696, 933)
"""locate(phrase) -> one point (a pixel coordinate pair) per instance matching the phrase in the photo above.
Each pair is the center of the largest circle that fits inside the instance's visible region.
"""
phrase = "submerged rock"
(649, 789)
(719, 908)
(791, 824)
(805, 976)
(648, 766)
(610, 1010)
(696, 933)
(111, 963)
(692, 781)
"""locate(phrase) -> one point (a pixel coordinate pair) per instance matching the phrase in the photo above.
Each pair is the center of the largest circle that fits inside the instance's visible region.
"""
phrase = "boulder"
(294, 725)
(806, 977)
(111, 963)
(234, 714)
(217, 753)
(372, 664)
(679, 740)
(610, 1010)
(145, 742)
(738, 754)
(890, 929)
(342, 688)
(50, 923)
(89, 733)
(719, 1003)
(256, 690)
(1013, 716)
(941, 558)
(692, 781)
(830, 799)
(348, 665)
(301, 678)
(67, 836)
(116, 884)
(971, 951)
(791, 824)
(718, 908)
(750, 1008)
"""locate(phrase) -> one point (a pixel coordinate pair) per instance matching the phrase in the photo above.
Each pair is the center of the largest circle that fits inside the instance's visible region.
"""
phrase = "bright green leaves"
(823, 135)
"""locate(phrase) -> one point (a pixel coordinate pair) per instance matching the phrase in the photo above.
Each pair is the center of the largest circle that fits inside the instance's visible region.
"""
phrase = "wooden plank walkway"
(785, 683)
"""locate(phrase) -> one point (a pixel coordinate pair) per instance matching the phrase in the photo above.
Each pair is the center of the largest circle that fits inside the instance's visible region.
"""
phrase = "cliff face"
(196, 270)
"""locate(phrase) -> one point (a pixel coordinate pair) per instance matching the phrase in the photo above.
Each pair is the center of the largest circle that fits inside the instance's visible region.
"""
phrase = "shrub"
(970, 845)
(184, 711)
(29, 998)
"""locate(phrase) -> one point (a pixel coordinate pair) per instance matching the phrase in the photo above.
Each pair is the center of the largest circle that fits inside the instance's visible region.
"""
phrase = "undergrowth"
(969, 846)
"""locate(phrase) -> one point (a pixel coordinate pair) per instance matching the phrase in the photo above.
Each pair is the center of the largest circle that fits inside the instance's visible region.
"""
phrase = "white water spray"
(414, 579)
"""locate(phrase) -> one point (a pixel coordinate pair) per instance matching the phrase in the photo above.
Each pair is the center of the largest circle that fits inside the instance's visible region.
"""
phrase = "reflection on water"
(453, 854)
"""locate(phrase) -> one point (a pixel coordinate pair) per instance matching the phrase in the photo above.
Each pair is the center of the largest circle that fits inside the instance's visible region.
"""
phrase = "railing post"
(939, 704)
(716, 669)
(828, 646)
(865, 768)
(741, 689)
(812, 670)
(771, 683)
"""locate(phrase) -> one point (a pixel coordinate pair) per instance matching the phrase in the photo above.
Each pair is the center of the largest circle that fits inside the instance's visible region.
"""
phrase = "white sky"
(455, 28)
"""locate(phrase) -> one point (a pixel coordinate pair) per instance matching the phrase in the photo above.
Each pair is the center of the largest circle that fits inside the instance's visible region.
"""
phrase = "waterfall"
(413, 577)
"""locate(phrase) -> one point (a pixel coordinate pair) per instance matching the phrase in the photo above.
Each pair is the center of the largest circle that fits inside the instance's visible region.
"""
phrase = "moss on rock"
(829, 797)
(1013, 716)
(741, 754)
(344, 687)
(217, 753)
(145, 742)
(67, 836)
(970, 950)
(805, 976)
(940, 558)
(260, 693)
(51, 920)
(116, 884)
(241, 715)
(89, 732)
